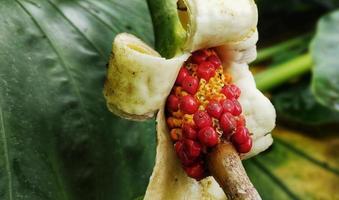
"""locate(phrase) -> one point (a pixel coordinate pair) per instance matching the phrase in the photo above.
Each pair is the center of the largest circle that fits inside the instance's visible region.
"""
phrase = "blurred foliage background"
(297, 40)
(58, 141)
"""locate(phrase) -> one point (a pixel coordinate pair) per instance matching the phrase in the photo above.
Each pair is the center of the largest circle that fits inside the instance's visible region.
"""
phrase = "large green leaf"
(298, 107)
(297, 166)
(325, 51)
(58, 141)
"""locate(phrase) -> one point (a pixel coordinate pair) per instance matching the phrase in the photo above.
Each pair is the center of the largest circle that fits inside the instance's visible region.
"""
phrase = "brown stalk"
(225, 165)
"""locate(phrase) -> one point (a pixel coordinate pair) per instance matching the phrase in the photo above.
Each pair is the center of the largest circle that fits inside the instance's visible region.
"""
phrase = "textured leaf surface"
(58, 141)
(325, 51)
(297, 166)
(297, 106)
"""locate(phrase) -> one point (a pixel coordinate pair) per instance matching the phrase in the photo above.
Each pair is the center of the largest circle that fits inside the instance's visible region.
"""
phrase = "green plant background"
(57, 139)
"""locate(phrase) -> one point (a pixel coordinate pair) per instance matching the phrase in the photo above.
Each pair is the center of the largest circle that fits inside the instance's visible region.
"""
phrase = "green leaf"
(57, 138)
(297, 106)
(325, 51)
(286, 50)
(297, 166)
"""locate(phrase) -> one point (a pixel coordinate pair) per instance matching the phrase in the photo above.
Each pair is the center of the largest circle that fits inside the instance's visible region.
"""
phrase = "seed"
(240, 136)
(236, 91)
(245, 147)
(199, 56)
(182, 75)
(227, 123)
(189, 132)
(202, 119)
(190, 84)
(178, 146)
(196, 171)
(180, 150)
(206, 70)
(227, 105)
(214, 60)
(172, 103)
(192, 148)
(189, 104)
(237, 110)
(214, 109)
(176, 134)
(207, 136)
(231, 91)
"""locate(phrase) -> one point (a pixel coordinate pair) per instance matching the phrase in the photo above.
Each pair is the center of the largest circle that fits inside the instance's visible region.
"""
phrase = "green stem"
(168, 30)
(267, 53)
(279, 74)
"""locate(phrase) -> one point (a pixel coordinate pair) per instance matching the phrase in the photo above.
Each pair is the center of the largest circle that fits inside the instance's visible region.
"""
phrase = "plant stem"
(168, 30)
(279, 74)
(225, 165)
(267, 53)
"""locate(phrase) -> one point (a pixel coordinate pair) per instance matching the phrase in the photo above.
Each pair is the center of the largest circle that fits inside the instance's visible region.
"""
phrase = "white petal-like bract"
(169, 180)
(215, 23)
(138, 79)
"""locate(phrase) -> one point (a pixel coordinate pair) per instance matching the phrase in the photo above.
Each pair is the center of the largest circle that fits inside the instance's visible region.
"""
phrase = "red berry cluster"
(196, 123)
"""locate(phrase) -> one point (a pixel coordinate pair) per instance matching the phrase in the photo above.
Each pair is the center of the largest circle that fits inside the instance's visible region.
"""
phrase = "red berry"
(240, 136)
(172, 103)
(236, 91)
(208, 136)
(189, 132)
(226, 90)
(182, 75)
(214, 109)
(241, 121)
(188, 104)
(214, 60)
(206, 70)
(245, 147)
(202, 119)
(192, 148)
(231, 91)
(190, 84)
(237, 110)
(178, 146)
(227, 123)
(176, 134)
(195, 171)
(199, 56)
(227, 105)
(180, 150)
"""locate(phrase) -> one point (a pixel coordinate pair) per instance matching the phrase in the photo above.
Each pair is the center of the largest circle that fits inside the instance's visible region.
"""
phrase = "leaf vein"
(307, 157)
(66, 68)
(97, 17)
(274, 179)
(54, 48)
(5, 145)
(75, 27)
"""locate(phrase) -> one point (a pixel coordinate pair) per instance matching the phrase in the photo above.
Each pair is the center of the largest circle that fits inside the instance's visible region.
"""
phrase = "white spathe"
(138, 78)
(215, 23)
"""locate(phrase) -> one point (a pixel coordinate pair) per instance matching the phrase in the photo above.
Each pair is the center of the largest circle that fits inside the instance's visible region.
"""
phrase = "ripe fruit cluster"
(202, 110)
